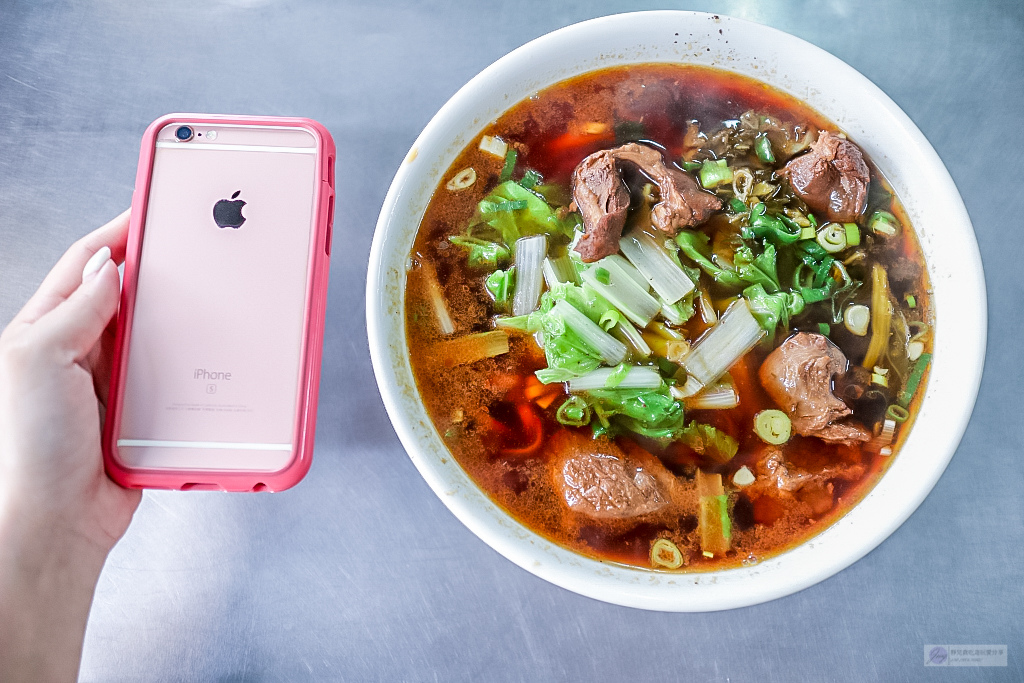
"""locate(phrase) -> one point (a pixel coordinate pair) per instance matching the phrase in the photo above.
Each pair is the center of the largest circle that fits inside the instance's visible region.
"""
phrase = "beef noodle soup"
(668, 316)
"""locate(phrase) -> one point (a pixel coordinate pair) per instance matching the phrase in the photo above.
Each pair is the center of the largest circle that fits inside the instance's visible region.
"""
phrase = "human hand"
(59, 512)
(54, 373)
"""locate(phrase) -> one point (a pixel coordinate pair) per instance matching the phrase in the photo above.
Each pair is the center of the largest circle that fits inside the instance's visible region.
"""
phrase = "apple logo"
(228, 213)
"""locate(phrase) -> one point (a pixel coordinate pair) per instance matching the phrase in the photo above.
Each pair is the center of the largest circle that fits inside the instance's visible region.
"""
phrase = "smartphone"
(220, 329)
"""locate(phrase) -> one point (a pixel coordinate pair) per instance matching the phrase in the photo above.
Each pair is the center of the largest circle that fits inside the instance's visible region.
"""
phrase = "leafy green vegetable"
(696, 247)
(773, 310)
(709, 442)
(748, 269)
(518, 219)
(568, 353)
(649, 412)
(759, 270)
(779, 229)
(481, 253)
(501, 284)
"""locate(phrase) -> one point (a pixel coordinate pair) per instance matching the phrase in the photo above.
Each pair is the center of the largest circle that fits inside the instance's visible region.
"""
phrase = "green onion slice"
(763, 149)
(832, 238)
(575, 412)
(897, 413)
(497, 207)
(510, 165)
(665, 553)
(773, 426)
(907, 395)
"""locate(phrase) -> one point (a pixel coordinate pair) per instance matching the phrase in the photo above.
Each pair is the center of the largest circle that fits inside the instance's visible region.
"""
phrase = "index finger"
(66, 276)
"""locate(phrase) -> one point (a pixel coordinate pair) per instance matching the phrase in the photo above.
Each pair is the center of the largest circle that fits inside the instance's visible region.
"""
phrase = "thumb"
(76, 324)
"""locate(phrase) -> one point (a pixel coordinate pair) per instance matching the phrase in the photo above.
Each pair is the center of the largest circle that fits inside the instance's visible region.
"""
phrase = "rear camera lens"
(184, 133)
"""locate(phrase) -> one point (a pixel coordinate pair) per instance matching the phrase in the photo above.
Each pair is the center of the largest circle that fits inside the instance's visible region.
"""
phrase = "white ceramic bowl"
(828, 85)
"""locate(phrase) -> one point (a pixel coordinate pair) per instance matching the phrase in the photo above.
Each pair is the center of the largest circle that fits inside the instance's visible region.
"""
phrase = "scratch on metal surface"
(23, 83)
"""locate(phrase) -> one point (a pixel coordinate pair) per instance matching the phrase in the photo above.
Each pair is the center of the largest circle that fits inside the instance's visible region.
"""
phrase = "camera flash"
(211, 135)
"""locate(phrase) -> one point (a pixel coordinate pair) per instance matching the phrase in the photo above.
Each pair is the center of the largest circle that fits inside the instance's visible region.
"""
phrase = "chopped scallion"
(763, 149)
(910, 388)
(737, 206)
(773, 426)
(857, 318)
(883, 223)
(825, 329)
(715, 172)
(530, 179)
(665, 553)
(510, 165)
(691, 165)
(911, 301)
(832, 237)
(808, 233)
(852, 234)
(575, 412)
(497, 207)
(897, 413)
(461, 180)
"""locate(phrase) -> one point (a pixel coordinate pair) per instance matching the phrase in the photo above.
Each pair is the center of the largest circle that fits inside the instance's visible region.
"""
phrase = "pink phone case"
(216, 365)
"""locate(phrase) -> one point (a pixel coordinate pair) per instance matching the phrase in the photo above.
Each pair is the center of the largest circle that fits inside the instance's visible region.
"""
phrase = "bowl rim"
(955, 375)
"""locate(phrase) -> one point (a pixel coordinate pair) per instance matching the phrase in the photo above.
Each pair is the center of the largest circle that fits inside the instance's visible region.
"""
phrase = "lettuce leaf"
(709, 442)
(537, 217)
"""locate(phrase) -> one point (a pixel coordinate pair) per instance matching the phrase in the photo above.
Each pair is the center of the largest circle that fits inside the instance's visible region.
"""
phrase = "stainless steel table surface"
(360, 573)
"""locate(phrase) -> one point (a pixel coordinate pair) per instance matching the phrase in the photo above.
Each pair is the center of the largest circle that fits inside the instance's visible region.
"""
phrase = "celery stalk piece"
(436, 297)
(559, 270)
(727, 342)
(613, 280)
(628, 269)
(657, 267)
(713, 515)
(608, 347)
(638, 377)
(718, 396)
(472, 347)
(624, 330)
(530, 253)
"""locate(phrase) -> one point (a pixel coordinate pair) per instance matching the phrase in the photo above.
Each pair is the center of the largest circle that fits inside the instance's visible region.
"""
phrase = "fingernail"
(93, 265)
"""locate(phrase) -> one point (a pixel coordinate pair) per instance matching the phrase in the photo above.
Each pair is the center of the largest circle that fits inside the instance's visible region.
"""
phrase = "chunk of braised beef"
(798, 377)
(776, 476)
(832, 178)
(600, 480)
(683, 203)
(603, 200)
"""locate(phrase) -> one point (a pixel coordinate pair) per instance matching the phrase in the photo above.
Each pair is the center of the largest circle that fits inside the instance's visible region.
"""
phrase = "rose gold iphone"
(219, 336)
